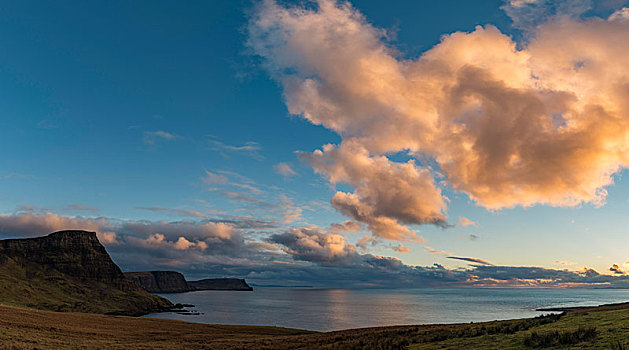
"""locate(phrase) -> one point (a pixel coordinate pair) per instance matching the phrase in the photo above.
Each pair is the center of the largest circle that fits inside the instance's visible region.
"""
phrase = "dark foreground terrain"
(69, 271)
(596, 328)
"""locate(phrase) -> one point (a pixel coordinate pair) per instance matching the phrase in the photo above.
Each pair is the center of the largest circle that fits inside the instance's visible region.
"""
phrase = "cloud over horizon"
(306, 255)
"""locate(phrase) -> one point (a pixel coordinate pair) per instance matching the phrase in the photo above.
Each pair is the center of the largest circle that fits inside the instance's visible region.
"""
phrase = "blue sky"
(164, 112)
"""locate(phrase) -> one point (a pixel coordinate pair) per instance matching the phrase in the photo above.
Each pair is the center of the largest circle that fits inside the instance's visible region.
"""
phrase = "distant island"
(175, 282)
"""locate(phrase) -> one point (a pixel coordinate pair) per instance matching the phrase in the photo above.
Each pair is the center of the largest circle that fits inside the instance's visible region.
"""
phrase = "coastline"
(29, 328)
(327, 310)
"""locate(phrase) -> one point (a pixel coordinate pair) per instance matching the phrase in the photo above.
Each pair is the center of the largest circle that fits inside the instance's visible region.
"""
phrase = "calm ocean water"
(335, 309)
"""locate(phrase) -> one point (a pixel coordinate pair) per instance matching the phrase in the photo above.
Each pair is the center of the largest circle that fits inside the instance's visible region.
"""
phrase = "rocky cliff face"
(159, 281)
(174, 282)
(69, 271)
(75, 253)
(220, 284)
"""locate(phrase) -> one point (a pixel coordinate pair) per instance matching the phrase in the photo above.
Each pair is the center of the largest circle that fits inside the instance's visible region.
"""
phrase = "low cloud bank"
(307, 255)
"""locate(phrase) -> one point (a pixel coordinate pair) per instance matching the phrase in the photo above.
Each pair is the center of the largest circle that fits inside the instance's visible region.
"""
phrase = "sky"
(324, 143)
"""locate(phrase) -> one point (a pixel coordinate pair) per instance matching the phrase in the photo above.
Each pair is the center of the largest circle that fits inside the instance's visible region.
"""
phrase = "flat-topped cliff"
(175, 282)
(75, 253)
(69, 271)
(220, 284)
(159, 281)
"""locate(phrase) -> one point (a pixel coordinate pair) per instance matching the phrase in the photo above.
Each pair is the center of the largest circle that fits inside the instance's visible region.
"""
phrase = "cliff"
(174, 282)
(69, 271)
(220, 284)
(159, 281)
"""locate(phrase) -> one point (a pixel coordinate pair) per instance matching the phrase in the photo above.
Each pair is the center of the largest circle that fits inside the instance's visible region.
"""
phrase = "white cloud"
(250, 148)
(151, 137)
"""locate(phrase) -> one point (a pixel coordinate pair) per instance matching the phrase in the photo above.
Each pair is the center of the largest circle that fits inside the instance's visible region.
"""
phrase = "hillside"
(27, 329)
(69, 271)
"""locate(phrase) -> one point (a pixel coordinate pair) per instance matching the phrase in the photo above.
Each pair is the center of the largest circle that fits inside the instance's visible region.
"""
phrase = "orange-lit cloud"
(401, 248)
(310, 243)
(30, 224)
(345, 227)
(617, 269)
(463, 221)
(387, 195)
(431, 250)
(546, 122)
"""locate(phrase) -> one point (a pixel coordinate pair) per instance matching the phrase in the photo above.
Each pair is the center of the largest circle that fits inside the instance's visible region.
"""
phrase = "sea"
(337, 309)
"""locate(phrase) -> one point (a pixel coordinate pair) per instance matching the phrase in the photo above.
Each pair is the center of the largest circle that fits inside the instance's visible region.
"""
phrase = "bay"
(336, 309)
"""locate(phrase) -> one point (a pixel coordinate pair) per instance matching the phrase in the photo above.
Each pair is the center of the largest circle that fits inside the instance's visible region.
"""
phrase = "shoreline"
(611, 306)
(30, 328)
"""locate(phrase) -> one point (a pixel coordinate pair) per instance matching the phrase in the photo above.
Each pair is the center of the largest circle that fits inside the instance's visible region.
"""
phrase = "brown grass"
(22, 328)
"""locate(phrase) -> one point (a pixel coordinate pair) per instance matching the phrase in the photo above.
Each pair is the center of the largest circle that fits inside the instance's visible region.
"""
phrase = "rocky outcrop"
(69, 271)
(220, 284)
(174, 282)
(159, 281)
(75, 253)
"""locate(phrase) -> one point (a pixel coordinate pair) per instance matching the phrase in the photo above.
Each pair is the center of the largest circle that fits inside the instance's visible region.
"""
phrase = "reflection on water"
(334, 309)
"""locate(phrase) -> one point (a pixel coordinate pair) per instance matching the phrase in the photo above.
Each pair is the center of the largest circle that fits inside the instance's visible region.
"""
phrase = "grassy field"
(598, 328)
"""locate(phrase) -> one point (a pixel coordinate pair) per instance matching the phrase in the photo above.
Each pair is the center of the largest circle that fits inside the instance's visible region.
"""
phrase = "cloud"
(463, 221)
(620, 15)
(401, 248)
(32, 225)
(387, 194)
(217, 237)
(301, 255)
(242, 197)
(16, 176)
(472, 237)
(250, 148)
(364, 242)
(565, 263)
(472, 260)
(79, 207)
(337, 263)
(315, 245)
(540, 122)
(431, 250)
(292, 214)
(152, 137)
(221, 178)
(30, 208)
(175, 211)
(617, 270)
(347, 226)
(284, 169)
(214, 179)
(528, 14)
(159, 241)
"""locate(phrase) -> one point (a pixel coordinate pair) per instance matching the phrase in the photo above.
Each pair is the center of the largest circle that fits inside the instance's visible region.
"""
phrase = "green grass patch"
(554, 338)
